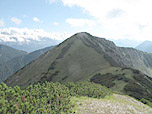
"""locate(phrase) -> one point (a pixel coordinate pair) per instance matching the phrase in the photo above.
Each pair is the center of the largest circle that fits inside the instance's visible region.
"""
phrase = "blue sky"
(119, 19)
(47, 13)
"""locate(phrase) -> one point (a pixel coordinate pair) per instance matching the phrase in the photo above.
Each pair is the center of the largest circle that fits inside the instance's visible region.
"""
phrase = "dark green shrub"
(48, 97)
(89, 89)
(145, 101)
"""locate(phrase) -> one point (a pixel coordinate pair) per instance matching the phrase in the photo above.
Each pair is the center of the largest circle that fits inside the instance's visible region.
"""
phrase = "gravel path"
(116, 104)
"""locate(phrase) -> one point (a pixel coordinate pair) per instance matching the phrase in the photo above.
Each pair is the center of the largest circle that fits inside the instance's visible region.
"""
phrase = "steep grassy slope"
(125, 80)
(7, 53)
(82, 57)
(145, 46)
(11, 66)
(69, 61)
(122, 57)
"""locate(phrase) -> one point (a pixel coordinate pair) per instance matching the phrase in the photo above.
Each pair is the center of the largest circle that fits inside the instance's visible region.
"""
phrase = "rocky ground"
(115, 104)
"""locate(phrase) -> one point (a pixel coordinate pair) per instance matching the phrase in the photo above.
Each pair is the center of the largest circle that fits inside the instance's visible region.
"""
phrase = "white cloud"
(54, 0)
(2, 23)
(115, 13)
(37, 20)
(80, 22)
(56, 23)
(51, 1)
(13, 34)
(118, 18)
(16, 20)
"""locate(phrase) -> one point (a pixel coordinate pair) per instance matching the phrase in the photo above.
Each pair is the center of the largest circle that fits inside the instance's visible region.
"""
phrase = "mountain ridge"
(13, 65)
(7, 53)
(83, 57)
(106, 47)
(146, 46)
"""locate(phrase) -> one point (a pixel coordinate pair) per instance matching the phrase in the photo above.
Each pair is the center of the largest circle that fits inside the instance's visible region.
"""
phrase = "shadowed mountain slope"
(11, 66)
(7, 53)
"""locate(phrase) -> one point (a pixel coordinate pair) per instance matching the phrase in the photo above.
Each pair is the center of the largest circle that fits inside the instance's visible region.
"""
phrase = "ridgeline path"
(115, 104)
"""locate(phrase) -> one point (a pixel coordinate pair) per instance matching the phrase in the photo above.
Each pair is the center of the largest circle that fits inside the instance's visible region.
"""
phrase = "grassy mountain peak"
(85, 57)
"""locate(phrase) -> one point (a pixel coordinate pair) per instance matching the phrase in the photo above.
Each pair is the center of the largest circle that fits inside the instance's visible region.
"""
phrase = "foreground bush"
(87, 89)
(46, 98)
(35, 99)
(147, 102)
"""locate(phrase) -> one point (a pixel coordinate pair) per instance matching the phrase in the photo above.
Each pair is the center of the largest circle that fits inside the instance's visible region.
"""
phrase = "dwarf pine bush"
(35, 99)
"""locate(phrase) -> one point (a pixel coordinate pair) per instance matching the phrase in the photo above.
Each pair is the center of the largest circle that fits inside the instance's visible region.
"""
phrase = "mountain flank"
(85, 57)
(11, 66)
(7, 53)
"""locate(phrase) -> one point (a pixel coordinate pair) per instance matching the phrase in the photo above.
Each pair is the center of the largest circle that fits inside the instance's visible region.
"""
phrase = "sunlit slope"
(115, 104)
(69, 61)
(77, 58)
(125, 80)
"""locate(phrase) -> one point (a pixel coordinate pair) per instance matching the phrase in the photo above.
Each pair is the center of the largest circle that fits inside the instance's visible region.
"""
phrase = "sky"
(59, 19)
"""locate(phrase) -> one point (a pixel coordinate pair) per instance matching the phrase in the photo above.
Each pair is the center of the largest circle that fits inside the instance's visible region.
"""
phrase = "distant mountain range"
(17, 60)
(7, 53)
(126, 42)
(84, 57)
(31, 45)
(29, 40)
(145, 46)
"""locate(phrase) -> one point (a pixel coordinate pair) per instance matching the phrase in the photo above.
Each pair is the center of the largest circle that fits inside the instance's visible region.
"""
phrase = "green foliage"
(47, 97)
(108, 79)
(35, 99)
(145, 101)
(87, 89)
(136, 85)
